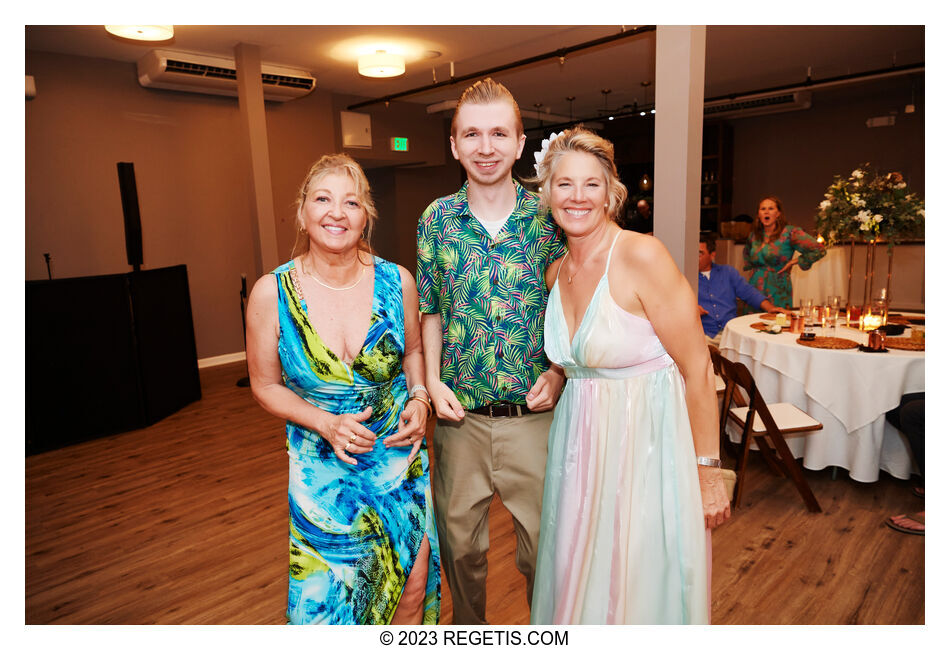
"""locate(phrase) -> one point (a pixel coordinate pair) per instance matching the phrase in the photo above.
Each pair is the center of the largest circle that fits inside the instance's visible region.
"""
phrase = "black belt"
(503, 410)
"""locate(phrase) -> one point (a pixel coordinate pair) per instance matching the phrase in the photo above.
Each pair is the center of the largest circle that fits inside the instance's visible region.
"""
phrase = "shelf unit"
(716, 187)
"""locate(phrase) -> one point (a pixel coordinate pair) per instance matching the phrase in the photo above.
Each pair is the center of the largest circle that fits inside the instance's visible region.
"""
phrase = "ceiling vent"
(214, 75)
(758, 105)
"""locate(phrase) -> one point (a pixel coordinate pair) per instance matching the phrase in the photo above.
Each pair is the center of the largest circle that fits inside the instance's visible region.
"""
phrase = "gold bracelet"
(424, 401)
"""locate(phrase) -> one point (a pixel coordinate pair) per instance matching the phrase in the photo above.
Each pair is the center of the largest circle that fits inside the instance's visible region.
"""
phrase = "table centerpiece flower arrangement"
(870, 206)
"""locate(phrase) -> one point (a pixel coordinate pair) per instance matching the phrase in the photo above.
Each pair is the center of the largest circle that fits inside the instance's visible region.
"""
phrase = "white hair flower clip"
(539, 155)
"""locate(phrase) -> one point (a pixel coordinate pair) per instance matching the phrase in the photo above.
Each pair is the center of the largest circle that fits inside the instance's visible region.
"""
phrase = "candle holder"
(875, 315)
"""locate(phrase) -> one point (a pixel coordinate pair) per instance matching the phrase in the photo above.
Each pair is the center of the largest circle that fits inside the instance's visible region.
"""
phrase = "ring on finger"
(347, 448)
(353, 437)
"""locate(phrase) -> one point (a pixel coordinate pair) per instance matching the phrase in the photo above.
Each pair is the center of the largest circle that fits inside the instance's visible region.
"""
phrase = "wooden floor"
(186, 522)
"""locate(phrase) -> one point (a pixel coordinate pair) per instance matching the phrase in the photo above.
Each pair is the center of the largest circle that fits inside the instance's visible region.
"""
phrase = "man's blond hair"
(487, 91)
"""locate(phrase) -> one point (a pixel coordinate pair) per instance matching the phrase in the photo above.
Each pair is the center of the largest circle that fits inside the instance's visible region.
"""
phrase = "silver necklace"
(324, 284)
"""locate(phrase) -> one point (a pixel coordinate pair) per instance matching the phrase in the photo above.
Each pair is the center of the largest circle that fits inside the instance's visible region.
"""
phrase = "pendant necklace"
(324, 284)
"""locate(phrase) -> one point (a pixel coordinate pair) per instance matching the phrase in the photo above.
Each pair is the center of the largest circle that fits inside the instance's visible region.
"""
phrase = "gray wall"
(796, 155)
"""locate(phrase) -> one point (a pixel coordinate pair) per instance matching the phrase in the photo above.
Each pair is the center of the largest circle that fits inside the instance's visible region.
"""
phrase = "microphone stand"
(244, 381)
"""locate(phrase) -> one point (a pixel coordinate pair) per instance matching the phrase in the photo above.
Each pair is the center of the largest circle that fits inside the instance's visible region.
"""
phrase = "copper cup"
(876, 340)
(796, 323)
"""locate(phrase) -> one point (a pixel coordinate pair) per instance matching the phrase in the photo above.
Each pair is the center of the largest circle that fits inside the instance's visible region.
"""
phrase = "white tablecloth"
(848, 391)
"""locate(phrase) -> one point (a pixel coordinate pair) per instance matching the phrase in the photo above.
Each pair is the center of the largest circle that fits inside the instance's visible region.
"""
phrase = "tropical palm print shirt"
(490, 294)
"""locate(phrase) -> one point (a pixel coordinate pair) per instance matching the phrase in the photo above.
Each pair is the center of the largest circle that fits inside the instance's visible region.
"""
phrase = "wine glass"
(834, 302)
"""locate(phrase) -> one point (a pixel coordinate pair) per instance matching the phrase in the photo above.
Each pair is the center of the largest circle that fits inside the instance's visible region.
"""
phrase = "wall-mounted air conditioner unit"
(203, 73)
(758, 104)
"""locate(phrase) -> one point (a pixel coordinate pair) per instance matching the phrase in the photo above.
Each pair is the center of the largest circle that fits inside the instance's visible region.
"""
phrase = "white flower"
(864, 226)
(920, 212)
(878, 218)
(901, 185)
(539, 155)
(857, 173)
(857, 201)
(863, 216)
(824, 204)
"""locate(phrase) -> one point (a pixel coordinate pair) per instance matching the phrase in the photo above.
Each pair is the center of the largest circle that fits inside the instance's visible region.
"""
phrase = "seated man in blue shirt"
(719, 286)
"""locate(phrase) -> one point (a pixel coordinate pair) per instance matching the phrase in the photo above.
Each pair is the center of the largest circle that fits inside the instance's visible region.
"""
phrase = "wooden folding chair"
(767, 427)
(728, 395)
(715, 356)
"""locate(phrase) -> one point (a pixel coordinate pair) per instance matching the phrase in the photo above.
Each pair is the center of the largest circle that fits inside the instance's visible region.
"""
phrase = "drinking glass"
(834, 302)
(822, 316)
(831, 317)
(807, 312)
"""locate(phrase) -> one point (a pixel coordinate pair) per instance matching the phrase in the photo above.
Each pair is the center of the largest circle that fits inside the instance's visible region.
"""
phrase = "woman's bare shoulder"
(641, 251)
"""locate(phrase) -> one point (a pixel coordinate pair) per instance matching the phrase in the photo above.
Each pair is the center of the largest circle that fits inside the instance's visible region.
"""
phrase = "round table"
(848, 391)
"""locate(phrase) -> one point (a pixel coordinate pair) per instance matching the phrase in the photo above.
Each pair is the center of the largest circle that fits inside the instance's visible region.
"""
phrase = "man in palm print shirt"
(482, 253)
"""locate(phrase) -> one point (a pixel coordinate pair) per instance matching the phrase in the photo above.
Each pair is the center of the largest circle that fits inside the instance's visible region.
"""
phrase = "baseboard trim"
(221, 359)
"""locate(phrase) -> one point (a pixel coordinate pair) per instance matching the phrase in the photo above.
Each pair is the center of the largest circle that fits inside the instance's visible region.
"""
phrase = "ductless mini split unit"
(762, 104)
(214, 75)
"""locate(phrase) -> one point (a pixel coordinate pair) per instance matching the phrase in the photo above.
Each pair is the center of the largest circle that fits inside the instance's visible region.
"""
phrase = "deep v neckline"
(593, 297)
(313, 328)
(587, 310)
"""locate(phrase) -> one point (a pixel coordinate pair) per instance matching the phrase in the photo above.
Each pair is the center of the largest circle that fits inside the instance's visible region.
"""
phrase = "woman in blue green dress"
(770, 252)
(333, 348)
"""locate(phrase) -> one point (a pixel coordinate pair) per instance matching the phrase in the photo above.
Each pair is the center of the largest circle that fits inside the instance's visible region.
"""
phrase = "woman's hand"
(788, 266)
(412, 427)
(346, 434)
(715, 501)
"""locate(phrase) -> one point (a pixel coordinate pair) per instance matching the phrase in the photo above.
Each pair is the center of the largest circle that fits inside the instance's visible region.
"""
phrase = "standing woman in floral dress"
(770, 252)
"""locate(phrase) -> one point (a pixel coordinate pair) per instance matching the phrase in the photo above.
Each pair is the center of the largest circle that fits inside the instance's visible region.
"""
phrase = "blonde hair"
(337, 163)
(487, 91)
(758, 230)
(582, 140)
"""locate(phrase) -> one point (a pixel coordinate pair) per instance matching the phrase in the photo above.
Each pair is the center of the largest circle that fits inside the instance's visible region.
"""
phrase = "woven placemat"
(764, 326)
(904, 344)
(828, 343)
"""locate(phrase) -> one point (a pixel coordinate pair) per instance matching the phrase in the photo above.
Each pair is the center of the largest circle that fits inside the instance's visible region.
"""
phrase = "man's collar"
(522, 198)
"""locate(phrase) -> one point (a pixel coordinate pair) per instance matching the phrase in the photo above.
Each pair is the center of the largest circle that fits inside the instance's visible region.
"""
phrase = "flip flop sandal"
(910, 531)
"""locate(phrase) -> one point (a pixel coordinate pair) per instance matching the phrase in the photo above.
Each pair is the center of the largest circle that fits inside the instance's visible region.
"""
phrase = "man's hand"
(772, 309)
(543, 395)
(447, 405)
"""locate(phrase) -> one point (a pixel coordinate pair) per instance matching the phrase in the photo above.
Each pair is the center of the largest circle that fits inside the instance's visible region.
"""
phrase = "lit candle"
(872, 321)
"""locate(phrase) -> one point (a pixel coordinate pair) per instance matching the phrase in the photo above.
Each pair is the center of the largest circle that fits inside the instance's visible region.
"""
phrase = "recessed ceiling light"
(381, 64)
(142, 32)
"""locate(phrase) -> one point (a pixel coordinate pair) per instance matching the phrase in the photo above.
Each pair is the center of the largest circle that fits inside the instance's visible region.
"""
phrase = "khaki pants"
(474, 459)
(714, 340)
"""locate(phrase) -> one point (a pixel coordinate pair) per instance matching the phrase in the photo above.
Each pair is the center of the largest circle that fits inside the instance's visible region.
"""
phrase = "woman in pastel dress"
(333, 347)
(632, 484)
(770, 252)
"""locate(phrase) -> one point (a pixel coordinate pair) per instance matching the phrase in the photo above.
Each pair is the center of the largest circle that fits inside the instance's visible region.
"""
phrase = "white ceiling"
(738, 58)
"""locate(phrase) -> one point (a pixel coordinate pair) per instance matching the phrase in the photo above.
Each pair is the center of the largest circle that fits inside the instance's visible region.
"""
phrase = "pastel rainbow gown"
(623, 538)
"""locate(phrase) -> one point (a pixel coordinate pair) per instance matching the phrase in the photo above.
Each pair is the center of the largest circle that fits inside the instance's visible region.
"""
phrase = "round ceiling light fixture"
(381, 64)
(142, 32)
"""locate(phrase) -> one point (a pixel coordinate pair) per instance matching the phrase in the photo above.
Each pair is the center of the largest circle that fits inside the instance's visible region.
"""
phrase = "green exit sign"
(399, 144)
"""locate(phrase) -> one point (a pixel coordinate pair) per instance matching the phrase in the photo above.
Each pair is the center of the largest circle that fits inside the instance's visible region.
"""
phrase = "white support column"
(680, 79)
(251, 102)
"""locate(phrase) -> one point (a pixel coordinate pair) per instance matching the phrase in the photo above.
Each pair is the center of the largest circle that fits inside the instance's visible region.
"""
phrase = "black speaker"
(130, 213)
(107, 354)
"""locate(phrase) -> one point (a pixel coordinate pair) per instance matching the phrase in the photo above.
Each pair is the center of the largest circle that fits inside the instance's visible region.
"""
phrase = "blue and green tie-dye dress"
(354, 530)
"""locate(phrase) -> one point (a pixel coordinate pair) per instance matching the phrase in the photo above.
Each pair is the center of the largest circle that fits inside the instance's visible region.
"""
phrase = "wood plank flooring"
(186, 522)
